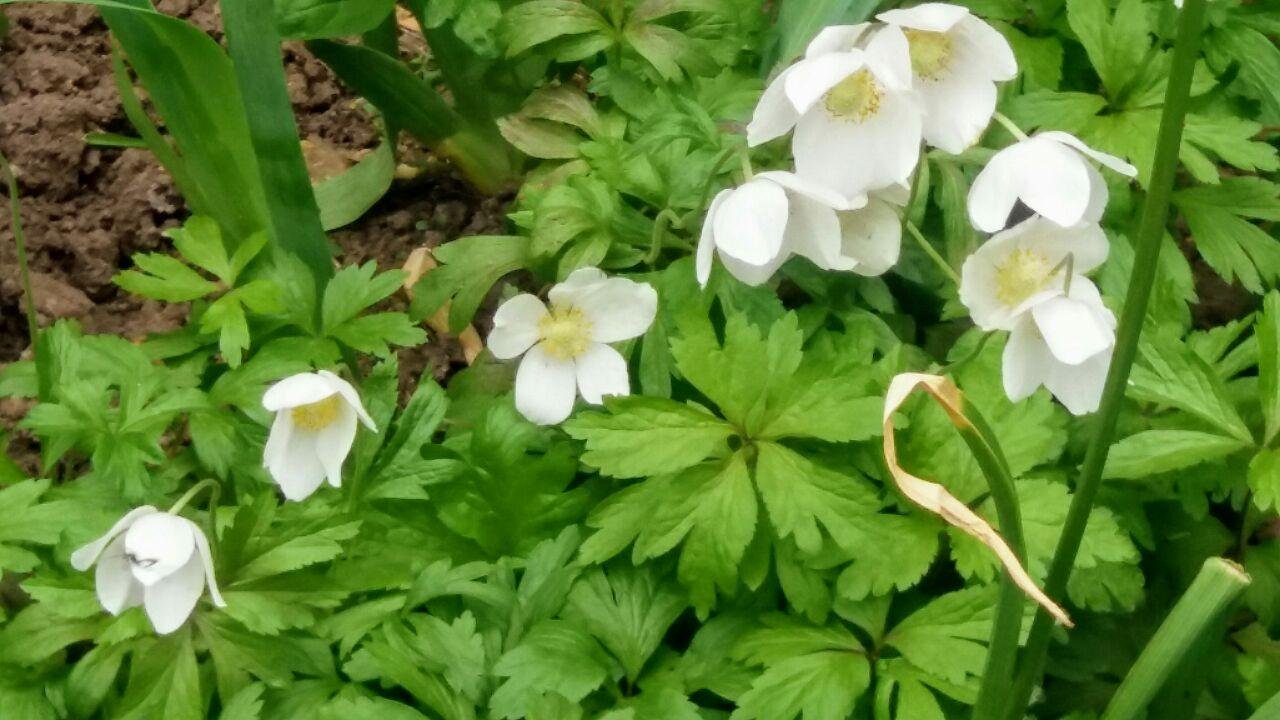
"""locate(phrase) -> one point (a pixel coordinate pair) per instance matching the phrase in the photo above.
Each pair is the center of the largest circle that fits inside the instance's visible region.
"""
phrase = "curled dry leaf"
(935, 498)
(419, 263)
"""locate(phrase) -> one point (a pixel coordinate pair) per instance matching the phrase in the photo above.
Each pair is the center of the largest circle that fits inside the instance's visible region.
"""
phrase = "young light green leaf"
(556, 656)
(817, 673)
(1155, 451)
(641, 436)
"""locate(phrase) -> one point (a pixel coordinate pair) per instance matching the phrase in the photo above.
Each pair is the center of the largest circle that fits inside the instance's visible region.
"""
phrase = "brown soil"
(86, 210)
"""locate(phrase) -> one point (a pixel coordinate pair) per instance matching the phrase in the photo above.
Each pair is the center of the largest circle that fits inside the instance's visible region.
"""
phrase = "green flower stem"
(1010, 125)
(932, 252)
(1211, 594)
(1147, 251)
(211, 522)
(1003, 646)
(24, 275)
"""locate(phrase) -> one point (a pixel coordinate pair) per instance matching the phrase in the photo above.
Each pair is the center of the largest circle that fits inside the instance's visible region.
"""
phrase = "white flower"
(956, 59)
(564, 347)
(1048, 172)
(857, 120)
(153, 559)
(313, 432)
(1030, 281)
(758, 226)
(1064, 344)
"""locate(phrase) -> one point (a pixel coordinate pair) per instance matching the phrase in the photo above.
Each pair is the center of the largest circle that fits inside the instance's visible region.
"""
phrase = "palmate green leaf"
(627, 609)
(24, 521)
(355, 288)
(892, 553)
(1155, 451)
(1267, 331)
(532, 23)
(469, 269)
(641, 436)
(93, 676)
(164, 682)
(392, 655)
(244, 705)
(1170, 373)
(26, 700)
(298, 552)
(1235, 248)
(311, 19)
(368, 708)
(801, 495)
(1115, 43)
(817, 673)
(946, 638)
(37, 632)
(161, 277)
(555, 657)
(1258, 59)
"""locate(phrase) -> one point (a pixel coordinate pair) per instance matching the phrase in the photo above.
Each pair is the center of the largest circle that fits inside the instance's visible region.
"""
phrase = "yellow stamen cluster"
(930, 53)
(565, 332)
(1023, 273)
(856, 98)
(317, 415)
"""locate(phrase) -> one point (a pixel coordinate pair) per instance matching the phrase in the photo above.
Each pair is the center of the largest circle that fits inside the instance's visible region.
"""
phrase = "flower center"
(856, 98)
(317, 415)
(930, 52)
(1022, 274)
(565, 332)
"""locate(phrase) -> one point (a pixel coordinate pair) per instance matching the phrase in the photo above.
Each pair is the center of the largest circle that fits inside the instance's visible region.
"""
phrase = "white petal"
(995, 190)
(206, 559)
(856, 158)
(889, 57)
(333, 444)
(1073, 331)
(157, 545)
(814, 232)
(984, 49)
(1108, 160)
(836, 38)
(1086, 243)
(296, 390)
(545, 387)
(1055, 182)
(1079, 387)
(707, 242)
(601, 371)
(348, 393)
(934, 17)
(114, 582)
(812, 78)
(795, 184)
(297, 469)
(774, 115)
(872, 237)
(170, 601)
(84, 557)
(1026, 360)
(619, 309)
(957, 110)
(753, 275)
(278, 439)
(515, 326)
(578, 282)
(751, 221)
(1098, 196)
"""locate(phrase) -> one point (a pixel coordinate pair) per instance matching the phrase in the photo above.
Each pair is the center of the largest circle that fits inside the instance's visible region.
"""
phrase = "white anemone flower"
(857, 119)
(153, 559)
(957, 60)
(1065, 344)
(565, 347)
(1051, 174)
(313, 432)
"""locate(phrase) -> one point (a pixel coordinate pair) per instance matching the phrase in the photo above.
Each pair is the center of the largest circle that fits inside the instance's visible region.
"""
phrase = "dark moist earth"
(87, 210)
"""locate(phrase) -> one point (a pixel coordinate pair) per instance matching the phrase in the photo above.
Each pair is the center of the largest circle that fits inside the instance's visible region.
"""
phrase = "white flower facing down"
(1030, 281)
(1050, 174)
(956, 60)
(565, 346)
(857, 120)
(758, 226)
(314, 429)
(153, 559)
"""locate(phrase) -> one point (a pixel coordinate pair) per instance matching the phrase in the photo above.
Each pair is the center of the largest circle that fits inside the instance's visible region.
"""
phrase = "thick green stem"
(1211, 594)
(1147, 251)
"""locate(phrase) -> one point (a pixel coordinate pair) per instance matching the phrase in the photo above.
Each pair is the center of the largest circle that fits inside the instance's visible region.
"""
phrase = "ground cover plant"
(841, 359)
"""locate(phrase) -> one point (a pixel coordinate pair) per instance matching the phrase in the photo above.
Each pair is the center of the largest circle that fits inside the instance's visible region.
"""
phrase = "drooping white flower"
(872, 235)
(857, 120)
(1050, 174)
(313, 432)
(956, 60)
(565, 347)
(1064, 344)
(153, 559)
(1030, 281)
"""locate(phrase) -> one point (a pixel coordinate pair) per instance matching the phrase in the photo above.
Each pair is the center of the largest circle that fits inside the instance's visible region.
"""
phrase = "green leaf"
(354, 289)
(800, 495)
(800, 20)
(1264, 479)
(817, 673)
(1230, 140)
(310, 19)
(1115, 44)
(376, 333)
(469, 268)
(298, 552)
(556, 656)
(1218, 216)
(892, 553)
(945, 638)
(164, 682)
(345, 198)
(244, 705)
(641, 436)
(1267, 330)
(23, 520)
(200, 242)
(1259, 61)
(369, 708)
(539, 21)
(1170, 373)
(161, 277)
(1156, 451)
(627, 609)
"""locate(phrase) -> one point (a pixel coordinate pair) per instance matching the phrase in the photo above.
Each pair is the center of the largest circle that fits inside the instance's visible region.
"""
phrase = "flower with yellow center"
(313, 431)
(1023, 273)
(956, 60)
(856, 118)
(565, 348)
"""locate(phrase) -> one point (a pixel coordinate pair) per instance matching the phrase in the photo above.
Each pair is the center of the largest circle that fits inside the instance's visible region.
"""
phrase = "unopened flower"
(313, 432)
(153, 559)
(956, 59)
(857, 120)
(1050, 174)
(1030, 281)
(565, 346)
